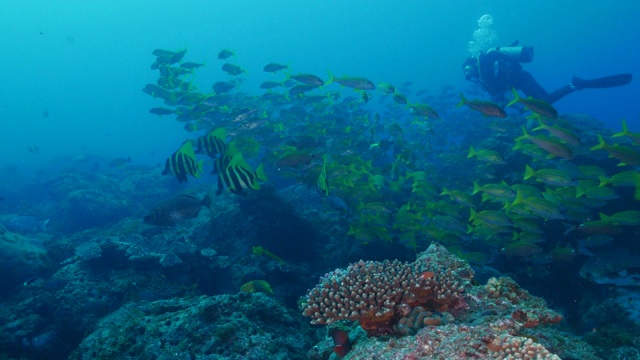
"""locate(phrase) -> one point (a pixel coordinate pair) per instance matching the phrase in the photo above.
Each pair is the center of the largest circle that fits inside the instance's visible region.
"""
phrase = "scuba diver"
(499, 69)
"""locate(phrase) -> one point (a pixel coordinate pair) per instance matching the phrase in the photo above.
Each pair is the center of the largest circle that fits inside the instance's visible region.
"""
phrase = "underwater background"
(121, 239)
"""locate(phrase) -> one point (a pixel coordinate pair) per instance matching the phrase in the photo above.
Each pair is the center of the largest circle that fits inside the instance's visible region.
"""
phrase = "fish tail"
(625, 130)
(473, 215)
(476, 188)
(260, 173)
(528, 172)
(331, 78)
(519, 198)
(604, 217)
(516, 97)
(601, 144)
(463, 100)
(524, 136)
(472, 152)
(603, 181)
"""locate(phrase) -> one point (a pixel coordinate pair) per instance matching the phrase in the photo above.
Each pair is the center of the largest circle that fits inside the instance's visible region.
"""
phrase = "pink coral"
(378, 294)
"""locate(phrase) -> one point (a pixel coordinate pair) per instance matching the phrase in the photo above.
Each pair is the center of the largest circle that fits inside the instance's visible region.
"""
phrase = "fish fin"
(463, 100)
(516, 99)
(260, 173)
(624, 131)
(601, 144)
(528, 172)
(331, 79)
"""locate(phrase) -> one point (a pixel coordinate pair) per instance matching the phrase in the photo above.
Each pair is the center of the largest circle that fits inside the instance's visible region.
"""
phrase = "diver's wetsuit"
(496, 73)
(499, 74)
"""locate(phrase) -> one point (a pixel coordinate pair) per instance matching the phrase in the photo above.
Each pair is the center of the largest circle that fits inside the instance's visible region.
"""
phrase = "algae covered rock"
(243, 326)
(20, 259)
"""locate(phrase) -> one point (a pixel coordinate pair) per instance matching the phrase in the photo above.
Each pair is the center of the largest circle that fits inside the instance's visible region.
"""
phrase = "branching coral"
(379, 294)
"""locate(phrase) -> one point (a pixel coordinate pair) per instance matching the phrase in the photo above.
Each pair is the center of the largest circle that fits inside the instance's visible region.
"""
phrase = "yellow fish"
(257, 286)
(260, 251)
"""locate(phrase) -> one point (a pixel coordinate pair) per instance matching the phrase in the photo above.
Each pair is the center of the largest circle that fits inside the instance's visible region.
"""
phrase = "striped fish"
(236, 175)
(183, 162)
(213, 143)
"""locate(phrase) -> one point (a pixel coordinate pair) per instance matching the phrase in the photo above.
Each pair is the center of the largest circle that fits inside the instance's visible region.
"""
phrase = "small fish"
(174, 210)
(183, 162)
(487, 108)
(629, 217)
(521, 249)
(191, 65)
(341, 341)
(260, 251)
(235, 174)
(352, 82)
(634, 136)
(426, 275)
(486, 155)
(552, 146)
(552, 177)
(295, 159)
(559, 132)
(273, 67)
(387, 88)
(538, 106)
(423, 110)
(222, 87)
(399, 98)
(30, 281)
(626, 155)
(231, 69)
(120, 162)
(225, 54)
(270, 85)
(599, 227)
(254, 286)
(308, 79)
(161, 111)
(301, 89)
(213, 143)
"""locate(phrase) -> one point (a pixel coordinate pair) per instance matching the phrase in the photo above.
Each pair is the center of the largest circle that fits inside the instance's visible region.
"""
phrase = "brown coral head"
(376, 323)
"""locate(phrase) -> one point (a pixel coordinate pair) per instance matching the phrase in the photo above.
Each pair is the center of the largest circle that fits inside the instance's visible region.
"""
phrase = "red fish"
(485, 107)
(342, 343)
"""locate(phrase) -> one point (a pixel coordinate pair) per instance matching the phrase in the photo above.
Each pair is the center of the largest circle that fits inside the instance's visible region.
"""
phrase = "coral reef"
(20, 259)
(243, 326)
(440, 315)
(379, 294)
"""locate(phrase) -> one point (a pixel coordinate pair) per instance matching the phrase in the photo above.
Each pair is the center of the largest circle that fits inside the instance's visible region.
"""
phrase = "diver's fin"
(603, 82)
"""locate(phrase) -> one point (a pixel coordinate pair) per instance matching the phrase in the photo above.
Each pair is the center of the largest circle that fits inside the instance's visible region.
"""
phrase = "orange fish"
(426, 275)
(342, 344)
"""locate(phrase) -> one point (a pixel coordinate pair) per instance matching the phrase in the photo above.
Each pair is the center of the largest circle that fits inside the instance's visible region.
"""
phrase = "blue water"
(84, 63)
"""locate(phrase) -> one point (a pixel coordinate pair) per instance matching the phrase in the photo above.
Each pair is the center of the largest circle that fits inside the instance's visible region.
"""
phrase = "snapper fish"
(357, 83)
(225, 54)
(274, 67)
(538, 106)
(487, 108)
(171, 211)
